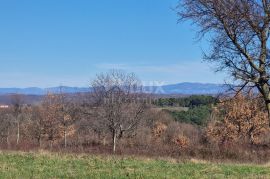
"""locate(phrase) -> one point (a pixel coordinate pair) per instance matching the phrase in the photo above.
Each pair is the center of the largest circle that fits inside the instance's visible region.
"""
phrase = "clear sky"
(46, 43)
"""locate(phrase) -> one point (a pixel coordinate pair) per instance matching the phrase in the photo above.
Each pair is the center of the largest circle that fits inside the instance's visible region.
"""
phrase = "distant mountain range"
(187, 88)
(42, 91)
(180, 88)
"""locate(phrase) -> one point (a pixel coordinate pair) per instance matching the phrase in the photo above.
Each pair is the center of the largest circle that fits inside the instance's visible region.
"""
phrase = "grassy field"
(19, 165)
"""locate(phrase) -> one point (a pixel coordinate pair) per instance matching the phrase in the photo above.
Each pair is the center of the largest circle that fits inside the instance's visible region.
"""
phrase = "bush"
(242, 120)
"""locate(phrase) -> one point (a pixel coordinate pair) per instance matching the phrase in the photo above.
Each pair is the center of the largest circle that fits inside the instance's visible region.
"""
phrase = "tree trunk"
(65, 137)
(264, 89)
(51, 145)
(104, 141)
(8, 144)
(18, 132)
(114, 141)
(268, 110)
(39, 142)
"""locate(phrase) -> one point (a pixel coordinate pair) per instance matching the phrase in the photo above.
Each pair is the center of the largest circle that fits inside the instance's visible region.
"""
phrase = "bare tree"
(6, 121)
(239, 33)
(118, 107)
(37, 127)
(68, 112)
(17, 106)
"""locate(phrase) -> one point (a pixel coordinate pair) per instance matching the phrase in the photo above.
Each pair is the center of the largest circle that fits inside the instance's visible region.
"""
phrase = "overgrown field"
(21, 165)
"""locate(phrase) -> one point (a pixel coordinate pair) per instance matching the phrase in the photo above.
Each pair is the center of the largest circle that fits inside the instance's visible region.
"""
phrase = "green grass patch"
(20, 165)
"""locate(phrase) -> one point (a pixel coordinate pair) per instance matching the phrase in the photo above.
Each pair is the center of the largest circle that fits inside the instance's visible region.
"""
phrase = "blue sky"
(48, 43)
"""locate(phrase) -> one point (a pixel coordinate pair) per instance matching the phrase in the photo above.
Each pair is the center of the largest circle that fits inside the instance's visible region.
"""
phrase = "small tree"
(239, 120)
(117, 104)
(52, 118)
(6, 121)
(38, 126)
(68, 112)
(17, 110)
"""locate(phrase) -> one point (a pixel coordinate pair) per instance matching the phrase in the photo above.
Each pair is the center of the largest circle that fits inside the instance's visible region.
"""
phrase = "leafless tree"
(17, 107)
(239, 33)
(68, 111)
(6, 123)
(37, 127)
(118, 106)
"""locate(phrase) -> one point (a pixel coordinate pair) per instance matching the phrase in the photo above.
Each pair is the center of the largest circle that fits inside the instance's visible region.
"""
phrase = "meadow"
(46, 165)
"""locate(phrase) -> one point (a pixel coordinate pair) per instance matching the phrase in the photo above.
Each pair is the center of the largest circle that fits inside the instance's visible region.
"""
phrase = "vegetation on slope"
(197, 115)
(198, 108)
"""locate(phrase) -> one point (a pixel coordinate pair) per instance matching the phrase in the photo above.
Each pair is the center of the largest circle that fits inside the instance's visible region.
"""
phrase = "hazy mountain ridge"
(42, 91)
(194, 88)
(180, 88)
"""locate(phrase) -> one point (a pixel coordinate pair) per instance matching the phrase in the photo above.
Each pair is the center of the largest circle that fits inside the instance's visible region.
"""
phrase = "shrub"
(181, 141)
(240, 120)
(159, 129)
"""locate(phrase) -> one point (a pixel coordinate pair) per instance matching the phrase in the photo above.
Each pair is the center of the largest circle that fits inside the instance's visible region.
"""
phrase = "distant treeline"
(191, 101)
